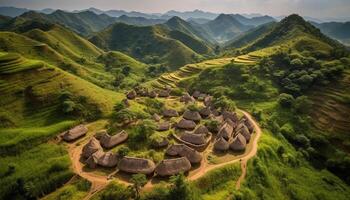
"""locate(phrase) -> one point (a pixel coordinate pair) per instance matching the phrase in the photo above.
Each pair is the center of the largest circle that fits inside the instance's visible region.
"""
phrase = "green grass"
(76, 190)
(35, 172)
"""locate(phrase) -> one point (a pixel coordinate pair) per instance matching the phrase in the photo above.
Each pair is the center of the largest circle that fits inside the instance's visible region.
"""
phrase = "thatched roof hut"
(196, 94)
(230, 122)
(170, 113)
(230, 115)
(152, 94)
(245, 134)
(226, 131)
(131, 95)
(108, 141)
(108, 159)
(186, 124)
(156, 117)
(186, 98)
(205, 112)
(136, 165)
(249, 124)
(94, 158)
(75, 133)
(164, 126)
(182, 150)
(239, 143)
(173, 166)
(242, 127)
(192, 115)
(193, 138)
(201, 130)
(91, 147)
(221, 144)
(163, 93)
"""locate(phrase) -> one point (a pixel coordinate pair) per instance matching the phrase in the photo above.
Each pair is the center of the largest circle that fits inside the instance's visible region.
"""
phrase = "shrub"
(123, 151)
(285, 100)
(224, 103)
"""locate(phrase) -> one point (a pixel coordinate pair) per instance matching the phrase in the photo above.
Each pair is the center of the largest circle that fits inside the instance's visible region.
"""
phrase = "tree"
(123, 151)
(181, 190)
(285, 100)
(302, 105)
(126, 70)
(138, 180)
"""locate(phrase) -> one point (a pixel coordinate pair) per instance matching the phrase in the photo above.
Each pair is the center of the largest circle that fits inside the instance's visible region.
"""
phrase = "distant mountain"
(198, 20)
(152, 44)
(337, 30)
(139, 21)
(118, 13)
(12, 11)
(197, 32)
(295, 32)
(254, 21)
(251, 35)
(192, 14)
(225, 27)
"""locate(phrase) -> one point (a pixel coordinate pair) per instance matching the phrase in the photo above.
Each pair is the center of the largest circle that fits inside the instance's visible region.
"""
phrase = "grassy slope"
(142, 42)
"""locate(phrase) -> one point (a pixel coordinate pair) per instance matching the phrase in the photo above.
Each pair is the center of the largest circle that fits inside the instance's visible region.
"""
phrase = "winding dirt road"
(99, 181)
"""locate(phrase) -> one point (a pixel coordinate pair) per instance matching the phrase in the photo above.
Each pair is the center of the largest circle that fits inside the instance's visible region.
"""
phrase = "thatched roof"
(163, 93)
(136, 165)
(249, 124)
(156, 117)
(108, 159)
(186, 124)
(196, 94)
(245, 134)
(230, 122)
(226, 131)
(75, 133)
(193, 138)
(170, 113)
(91, 147)
(94, 158)
(174, 166)
(230, 115)
(192, 115)
(221, 144)
(208, 101)
(152, 94)
(131, 95)
(239, 143)
(205, 112)
(187, 98)
(164, 126)
(201, 130)
(108, 141)
(182, 150)
(242, 127)
(215, 112)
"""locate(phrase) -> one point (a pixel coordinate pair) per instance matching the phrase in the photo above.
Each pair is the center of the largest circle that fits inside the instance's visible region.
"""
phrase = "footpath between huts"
(98, 182)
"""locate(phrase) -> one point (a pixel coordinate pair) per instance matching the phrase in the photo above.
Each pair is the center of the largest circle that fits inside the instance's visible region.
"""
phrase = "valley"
(181, 105)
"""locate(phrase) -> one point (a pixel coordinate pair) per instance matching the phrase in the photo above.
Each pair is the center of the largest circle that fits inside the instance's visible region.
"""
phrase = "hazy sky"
(314, 8)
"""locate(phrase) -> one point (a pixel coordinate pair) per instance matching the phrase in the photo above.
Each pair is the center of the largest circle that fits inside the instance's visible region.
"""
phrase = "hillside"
(225, 27)
(250, 36)
(150, 44)
(139, 21)
(294, 32)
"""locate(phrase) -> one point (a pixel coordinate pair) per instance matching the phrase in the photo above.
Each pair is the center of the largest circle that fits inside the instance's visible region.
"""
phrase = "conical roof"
(182, 150)
(205, 112)
(170, 113)
(221, 144)
(201, 130)
(192, 115)
(226, 131)
(186, 124)
(91, 147)
(239, 143)
(187, 98)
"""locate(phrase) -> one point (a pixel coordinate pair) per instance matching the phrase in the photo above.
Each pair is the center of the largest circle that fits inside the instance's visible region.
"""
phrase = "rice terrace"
(184, 100)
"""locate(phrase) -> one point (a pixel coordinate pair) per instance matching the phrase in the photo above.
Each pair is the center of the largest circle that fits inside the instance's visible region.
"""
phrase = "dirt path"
(98, 182)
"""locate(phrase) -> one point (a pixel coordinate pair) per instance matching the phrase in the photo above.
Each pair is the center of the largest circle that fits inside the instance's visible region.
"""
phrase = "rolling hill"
(151, 44)
(254, 21)
(224, 28)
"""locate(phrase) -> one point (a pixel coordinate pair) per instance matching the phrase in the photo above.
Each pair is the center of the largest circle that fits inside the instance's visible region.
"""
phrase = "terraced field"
(331, 113)
(172, 79)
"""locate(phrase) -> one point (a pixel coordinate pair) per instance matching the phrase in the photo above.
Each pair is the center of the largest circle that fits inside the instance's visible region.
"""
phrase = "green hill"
(224, 28)
(295, 32)
(151, 44)
(337, 30)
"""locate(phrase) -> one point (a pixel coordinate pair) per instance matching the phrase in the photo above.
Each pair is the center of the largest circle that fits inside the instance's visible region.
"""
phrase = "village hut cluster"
(192, 137)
